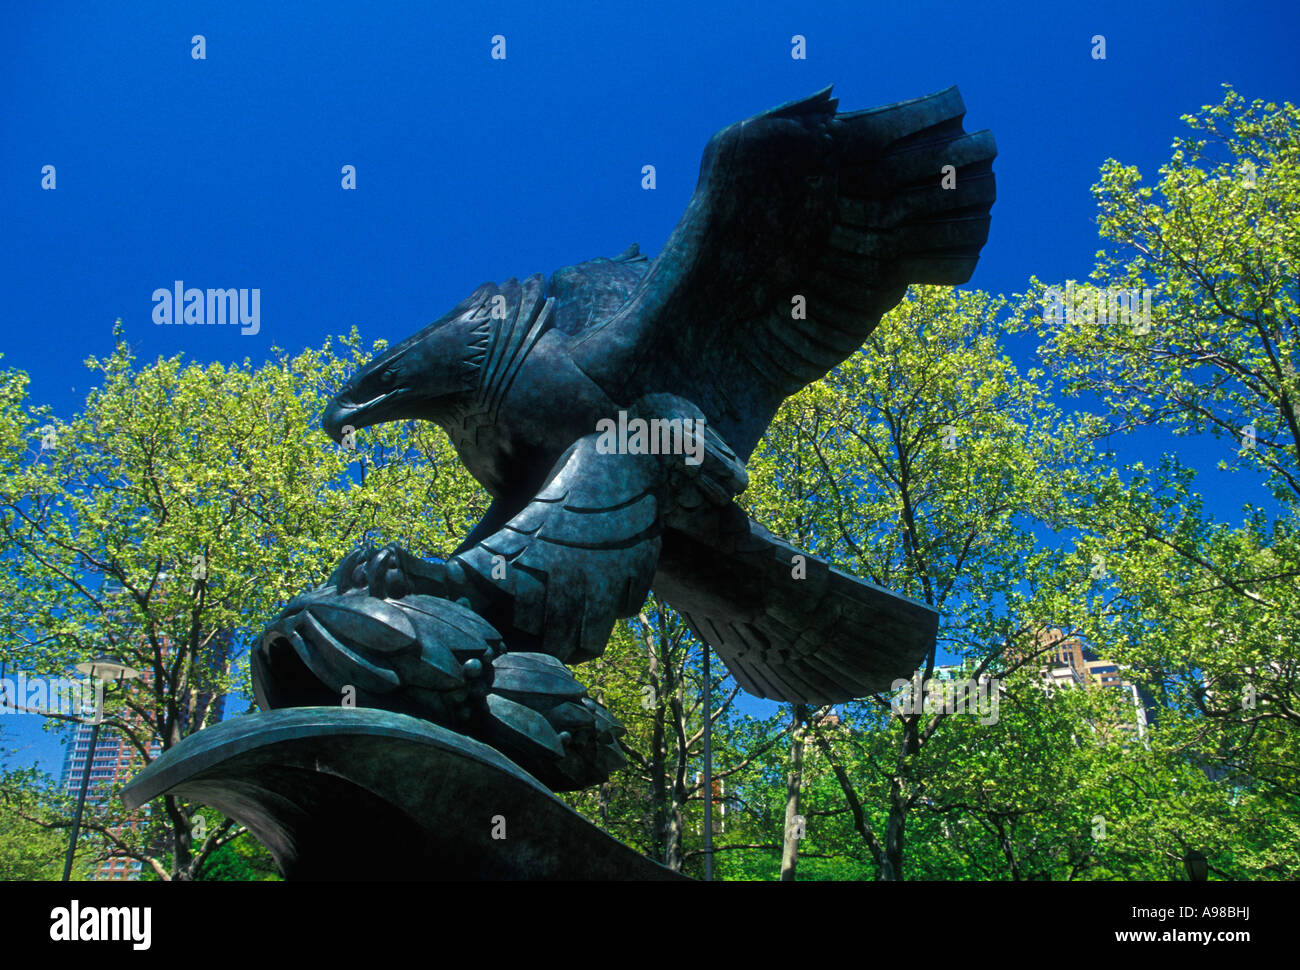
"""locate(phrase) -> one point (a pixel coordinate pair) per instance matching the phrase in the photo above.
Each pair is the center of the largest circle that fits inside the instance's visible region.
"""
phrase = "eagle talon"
(342, 579)
(383, 573)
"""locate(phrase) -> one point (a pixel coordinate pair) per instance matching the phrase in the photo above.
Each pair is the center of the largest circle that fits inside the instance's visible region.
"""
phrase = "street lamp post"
(108, 669)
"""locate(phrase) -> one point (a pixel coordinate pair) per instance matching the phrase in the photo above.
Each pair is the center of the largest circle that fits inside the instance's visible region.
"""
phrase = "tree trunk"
(181, 838)
(658, 764)
(891, 862)
(673, 836)
(602, 803)
(794, 782)
(891, 859)
(673, 856)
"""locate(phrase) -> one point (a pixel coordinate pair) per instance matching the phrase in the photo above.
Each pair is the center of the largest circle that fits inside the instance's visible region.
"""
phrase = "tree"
(923, 464)
(793, 831)
(1202, 611)
(1217, 244)
(169, 521)
(651, 677)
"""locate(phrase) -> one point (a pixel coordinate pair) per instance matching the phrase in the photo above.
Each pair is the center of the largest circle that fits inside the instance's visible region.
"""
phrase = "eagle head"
(424, 377)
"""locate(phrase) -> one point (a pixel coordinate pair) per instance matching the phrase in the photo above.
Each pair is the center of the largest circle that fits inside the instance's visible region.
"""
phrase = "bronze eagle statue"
(609, 410)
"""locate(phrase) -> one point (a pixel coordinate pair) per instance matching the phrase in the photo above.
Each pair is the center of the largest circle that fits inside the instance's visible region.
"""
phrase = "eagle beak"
(335, 419)
(343, 413)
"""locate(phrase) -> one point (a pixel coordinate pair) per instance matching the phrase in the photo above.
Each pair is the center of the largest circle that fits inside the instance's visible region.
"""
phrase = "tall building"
(1066, 662)
(116, 761)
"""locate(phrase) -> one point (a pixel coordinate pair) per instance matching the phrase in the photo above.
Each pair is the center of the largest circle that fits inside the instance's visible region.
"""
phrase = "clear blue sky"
(225, 172)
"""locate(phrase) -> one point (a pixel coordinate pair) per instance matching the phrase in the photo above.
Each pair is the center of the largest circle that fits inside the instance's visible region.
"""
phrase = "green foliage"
(1204, 612)
(33, 836)
(925, 463)
(209, 496)
(243, 860)
(1216, 239)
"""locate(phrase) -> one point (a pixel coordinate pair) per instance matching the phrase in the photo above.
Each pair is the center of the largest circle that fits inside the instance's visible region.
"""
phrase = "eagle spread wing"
(806, 227)
(788, 625)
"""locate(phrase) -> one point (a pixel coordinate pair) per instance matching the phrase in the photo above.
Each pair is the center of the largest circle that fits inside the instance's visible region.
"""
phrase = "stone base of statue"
(341, 793)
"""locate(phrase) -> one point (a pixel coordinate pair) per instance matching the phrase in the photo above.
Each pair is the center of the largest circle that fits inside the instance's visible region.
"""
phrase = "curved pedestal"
(357, 793)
